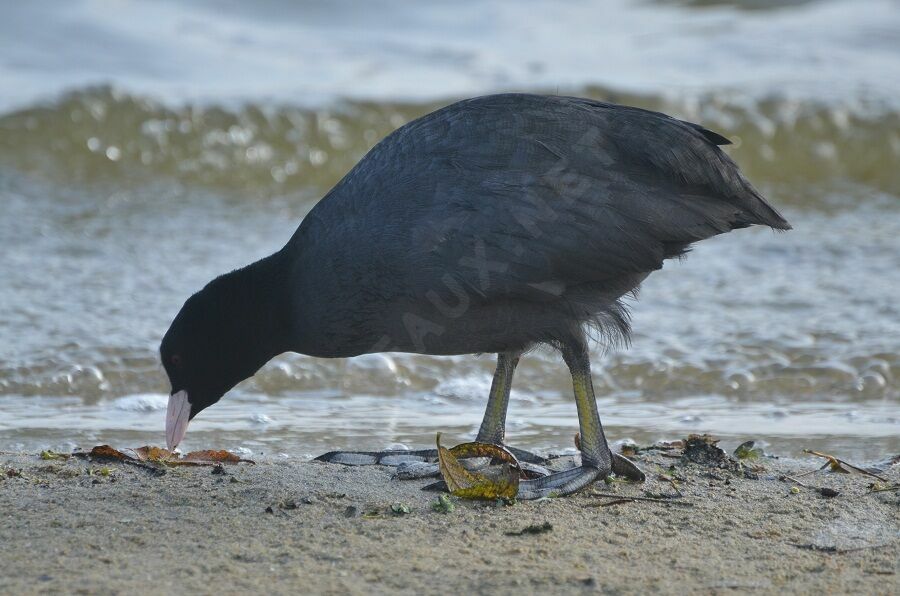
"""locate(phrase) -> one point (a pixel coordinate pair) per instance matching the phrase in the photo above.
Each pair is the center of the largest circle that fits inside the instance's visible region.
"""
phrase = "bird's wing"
(525, 195)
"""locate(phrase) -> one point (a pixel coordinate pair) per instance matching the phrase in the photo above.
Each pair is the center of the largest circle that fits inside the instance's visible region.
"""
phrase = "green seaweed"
(443, 504)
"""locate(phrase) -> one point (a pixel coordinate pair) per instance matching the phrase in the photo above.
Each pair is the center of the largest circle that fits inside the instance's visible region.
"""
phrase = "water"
(147, 147)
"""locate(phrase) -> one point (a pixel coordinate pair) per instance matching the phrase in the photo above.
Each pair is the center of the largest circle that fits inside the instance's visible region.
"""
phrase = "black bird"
(495, 224)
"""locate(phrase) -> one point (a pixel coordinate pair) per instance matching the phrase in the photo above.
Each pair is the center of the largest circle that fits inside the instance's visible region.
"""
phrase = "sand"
(291, 526)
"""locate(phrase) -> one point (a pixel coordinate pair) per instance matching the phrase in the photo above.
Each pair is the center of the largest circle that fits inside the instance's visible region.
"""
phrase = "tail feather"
(766, 214)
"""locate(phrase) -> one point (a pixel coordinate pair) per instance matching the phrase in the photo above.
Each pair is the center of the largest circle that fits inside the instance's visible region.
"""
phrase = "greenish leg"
(596, 459)
(493, 426)
(594, 448)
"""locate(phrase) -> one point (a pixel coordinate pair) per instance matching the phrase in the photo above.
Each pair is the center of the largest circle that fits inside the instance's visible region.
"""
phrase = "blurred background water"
(146, 147)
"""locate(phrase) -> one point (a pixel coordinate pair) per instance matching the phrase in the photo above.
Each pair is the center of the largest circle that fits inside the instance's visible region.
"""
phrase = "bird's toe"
(558, 484)
(622, 466)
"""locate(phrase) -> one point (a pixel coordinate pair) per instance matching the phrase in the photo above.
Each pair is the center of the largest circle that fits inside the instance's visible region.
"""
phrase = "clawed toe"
(567, 482)
(526, 457)
(622, 466)
(559, 484)
(417, 470)
(378, 458)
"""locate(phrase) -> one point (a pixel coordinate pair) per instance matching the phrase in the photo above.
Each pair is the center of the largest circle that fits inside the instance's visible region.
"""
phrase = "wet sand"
(291, 526)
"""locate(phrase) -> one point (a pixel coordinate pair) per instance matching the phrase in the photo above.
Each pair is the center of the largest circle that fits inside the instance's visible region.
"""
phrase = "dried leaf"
(452, 471)
(154, 454)
(500, 482)
(877, 488)
(833, 463)
(835, 466)
(107, 452)
(210, 457)
(158, 455)
(839, 465)
(497, 452)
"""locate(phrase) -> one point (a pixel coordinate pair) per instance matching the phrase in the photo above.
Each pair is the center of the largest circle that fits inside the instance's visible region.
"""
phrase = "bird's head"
(198, 356)
(223, 334)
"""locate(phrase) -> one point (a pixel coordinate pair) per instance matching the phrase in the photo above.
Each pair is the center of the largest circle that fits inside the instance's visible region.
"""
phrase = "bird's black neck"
(257, 298)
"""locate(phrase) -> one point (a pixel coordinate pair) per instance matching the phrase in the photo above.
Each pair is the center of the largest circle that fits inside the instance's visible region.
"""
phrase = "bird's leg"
(597, 461)
(493, 425)
(594, 448)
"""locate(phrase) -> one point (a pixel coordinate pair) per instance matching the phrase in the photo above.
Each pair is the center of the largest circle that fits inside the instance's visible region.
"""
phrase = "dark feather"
(539, 213)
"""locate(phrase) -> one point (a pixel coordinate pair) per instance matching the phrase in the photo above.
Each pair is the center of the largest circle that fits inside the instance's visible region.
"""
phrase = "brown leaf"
(500, 482)
(154, 454)
(210, 458)
(454, 474)
(158, 455)
(107, 452)
(474, 449)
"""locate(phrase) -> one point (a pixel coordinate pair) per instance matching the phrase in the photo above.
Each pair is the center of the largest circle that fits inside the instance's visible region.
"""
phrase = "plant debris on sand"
(532, 529)
(289, 526)
(499, 480)
(154, 456)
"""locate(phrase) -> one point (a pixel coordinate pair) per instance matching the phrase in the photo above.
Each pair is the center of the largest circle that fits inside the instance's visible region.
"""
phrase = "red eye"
(175, 360)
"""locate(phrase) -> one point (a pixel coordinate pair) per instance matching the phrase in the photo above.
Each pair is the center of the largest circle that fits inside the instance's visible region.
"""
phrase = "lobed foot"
(559, 484)
(379, 458)
(622, 466)
(422, 463)
(567, 482)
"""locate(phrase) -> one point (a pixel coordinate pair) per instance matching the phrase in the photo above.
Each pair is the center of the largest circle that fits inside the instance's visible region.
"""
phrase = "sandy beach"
(292, 526)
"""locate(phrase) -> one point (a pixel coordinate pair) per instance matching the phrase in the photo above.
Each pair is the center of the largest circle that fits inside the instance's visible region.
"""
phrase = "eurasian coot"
(495, 224)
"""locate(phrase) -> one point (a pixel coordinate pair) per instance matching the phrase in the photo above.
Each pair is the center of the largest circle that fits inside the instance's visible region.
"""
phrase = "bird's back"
(551, 203)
